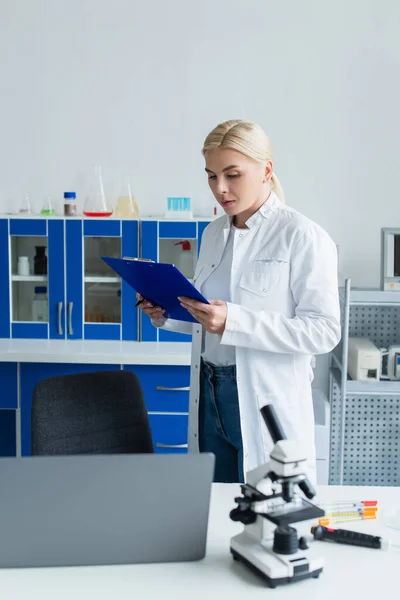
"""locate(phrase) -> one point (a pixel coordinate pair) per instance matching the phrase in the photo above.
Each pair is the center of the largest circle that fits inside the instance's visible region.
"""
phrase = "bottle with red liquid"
(96, 204)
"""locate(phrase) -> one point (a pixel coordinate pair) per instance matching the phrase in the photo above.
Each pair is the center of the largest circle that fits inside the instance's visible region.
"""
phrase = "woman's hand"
(211, 316)
(153, 311)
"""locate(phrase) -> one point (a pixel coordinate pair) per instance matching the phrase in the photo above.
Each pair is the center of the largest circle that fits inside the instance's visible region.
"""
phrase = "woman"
(271, 275)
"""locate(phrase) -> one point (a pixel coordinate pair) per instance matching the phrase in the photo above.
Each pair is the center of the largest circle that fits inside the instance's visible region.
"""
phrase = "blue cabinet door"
(8, 385)
(30, 375)
(130, 314)
(74, 278)
(149, 249)
(56, 274)
(25, 234)
(158, 239)
(102, 287)
(5, 313)
(8, 438)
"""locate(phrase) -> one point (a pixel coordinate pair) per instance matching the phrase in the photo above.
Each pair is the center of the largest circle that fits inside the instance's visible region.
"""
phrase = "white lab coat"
(284, 309)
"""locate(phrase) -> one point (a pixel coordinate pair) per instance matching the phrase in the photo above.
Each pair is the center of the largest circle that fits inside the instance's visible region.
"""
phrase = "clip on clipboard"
(159, 283)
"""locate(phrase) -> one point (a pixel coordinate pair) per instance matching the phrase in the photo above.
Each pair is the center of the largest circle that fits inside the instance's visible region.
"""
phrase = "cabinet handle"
(70, 329)
(171, 445)
(162, 388)
(59, 313)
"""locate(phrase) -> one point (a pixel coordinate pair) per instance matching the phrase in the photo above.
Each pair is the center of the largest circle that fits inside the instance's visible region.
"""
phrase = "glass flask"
(25, 207)
(127, 207)
(96, 204)
(47, 209)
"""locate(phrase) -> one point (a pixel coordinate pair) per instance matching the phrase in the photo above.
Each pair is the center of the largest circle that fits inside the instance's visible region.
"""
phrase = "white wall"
(137, 85)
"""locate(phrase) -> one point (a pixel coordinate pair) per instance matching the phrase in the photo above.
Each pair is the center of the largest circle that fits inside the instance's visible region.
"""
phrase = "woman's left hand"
(211, 316)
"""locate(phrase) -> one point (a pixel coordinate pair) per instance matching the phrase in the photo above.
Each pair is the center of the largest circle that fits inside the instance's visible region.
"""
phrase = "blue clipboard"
(159, 283)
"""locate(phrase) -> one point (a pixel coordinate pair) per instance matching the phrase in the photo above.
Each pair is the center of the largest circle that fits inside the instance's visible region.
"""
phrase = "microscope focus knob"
(285, 540)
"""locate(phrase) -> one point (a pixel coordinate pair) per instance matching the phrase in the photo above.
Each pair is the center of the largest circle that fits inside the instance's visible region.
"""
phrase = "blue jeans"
(219, 421)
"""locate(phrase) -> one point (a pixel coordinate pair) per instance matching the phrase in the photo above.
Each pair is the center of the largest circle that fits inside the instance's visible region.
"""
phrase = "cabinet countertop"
(95, 352)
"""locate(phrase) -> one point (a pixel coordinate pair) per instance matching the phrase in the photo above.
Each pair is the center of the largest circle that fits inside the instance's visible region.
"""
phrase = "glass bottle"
(127, 207)
(40, 261)
(96, 203)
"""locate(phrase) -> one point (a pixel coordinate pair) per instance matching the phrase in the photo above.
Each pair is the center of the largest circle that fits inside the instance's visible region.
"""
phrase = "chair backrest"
(90, 413)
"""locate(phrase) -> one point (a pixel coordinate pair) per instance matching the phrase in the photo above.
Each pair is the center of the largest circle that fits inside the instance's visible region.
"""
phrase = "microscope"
(269, 505)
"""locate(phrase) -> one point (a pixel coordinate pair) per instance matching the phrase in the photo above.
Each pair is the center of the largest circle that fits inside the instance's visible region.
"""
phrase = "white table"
(350, 572)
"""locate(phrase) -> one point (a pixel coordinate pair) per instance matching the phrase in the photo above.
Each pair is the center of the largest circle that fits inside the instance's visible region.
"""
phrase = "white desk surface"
(95, 352)
(350, 572)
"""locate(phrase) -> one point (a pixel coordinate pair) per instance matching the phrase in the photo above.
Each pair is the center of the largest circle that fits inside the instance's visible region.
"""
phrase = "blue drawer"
(165, 388)
(9, 385)
(8, 433)
(170, 433)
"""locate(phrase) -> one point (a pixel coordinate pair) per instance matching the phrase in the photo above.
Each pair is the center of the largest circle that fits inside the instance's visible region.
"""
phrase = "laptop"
(104, 509)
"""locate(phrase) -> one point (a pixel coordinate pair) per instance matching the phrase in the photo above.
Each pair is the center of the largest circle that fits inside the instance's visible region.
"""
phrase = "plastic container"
(96, 204)
(40, 305)
(185, 261)
(178, 208)
(23, 265)
(69, 204)
(127, 207)
(40, 261)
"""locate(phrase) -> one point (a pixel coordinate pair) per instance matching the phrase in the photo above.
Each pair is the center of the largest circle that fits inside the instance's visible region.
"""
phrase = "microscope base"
(275, 569)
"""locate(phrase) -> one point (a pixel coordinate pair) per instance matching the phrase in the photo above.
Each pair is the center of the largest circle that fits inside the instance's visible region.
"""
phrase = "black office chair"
(90, 413)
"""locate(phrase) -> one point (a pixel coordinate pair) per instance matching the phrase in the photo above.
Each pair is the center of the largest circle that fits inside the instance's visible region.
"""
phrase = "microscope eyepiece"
(272, 422)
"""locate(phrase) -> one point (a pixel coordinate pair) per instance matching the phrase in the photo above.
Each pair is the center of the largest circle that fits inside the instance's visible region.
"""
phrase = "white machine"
(268, 544)
(391, 363)
(364, 360)
(390, 259)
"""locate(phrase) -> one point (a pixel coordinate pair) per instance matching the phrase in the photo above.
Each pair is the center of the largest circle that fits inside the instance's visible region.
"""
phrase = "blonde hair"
(249, 139)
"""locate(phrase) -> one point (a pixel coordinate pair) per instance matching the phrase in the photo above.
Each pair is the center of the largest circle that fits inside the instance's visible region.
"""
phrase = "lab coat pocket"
(263, 277)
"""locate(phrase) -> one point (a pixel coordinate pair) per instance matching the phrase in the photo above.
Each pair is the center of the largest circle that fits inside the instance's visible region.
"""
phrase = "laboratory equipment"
(40, 261)
(47, 209)
(186, 259)
(96, 204)
(364, 362)
(40, 304)
(25, 207)
(127, 207)
(390, 258)
(353, 538)
(268, 544)
(391, 362)
(69, 204)
(178, 208)
(23, 265)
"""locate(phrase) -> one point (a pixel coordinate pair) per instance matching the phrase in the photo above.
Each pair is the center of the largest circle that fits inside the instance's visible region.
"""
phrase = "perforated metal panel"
(372, 440)
(371, 423)
(381, 324)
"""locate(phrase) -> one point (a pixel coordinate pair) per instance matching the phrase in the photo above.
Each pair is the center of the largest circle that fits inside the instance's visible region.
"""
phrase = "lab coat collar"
(263, 212)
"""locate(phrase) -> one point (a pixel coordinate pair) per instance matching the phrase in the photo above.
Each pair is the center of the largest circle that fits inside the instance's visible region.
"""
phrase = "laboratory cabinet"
(165, 388)
(58, 287)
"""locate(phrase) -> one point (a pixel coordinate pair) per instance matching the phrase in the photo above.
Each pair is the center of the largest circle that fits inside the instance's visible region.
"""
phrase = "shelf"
(371, 297)
(101, 279)
(369, 388)
(29, 277)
